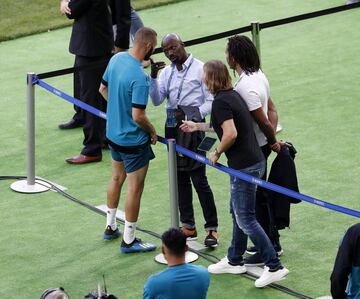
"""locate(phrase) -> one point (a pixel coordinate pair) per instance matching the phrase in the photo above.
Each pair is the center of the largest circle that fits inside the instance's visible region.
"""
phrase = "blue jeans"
(136, 24)
(242, 208)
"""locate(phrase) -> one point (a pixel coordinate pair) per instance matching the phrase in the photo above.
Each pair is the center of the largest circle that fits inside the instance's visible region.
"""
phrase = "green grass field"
(48, 241)
(19, 18)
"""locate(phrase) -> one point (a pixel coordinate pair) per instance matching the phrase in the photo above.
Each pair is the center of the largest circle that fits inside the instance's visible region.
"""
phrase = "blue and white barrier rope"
(204, 160)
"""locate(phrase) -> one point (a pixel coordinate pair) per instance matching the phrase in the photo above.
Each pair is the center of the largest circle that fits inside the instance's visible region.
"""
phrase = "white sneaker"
(224, 267)
(268, 277)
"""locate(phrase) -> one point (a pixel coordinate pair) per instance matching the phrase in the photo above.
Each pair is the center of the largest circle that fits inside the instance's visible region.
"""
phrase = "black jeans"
(264, 208)
(206, 197)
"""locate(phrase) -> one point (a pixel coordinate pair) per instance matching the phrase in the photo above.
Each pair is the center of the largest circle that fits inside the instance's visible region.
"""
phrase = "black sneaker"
(211, 239)
(278, 248)
(253, 260)
(251, 250)
(110, 234)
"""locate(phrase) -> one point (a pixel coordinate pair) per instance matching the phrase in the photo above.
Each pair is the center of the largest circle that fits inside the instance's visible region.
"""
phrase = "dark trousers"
(78, 116)
(264, 208)
(206, 198)
(94, 126)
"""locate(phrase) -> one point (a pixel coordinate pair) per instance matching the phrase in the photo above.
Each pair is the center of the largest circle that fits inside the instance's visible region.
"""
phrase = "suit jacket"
(92, 31)
(283, 173)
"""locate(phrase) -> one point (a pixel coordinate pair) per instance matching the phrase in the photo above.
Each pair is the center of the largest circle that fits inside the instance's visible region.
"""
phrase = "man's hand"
(117, 50)
(213, 157)
(156, 67)
(188, 126)
(153, 138)
(64, 7)
(276, 147)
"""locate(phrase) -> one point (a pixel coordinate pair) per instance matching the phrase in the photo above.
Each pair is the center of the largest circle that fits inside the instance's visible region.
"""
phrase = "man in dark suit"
(91, 41)
(121, 20)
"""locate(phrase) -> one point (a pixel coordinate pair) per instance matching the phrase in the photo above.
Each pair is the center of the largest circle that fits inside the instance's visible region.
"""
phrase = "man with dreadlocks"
(253, 87)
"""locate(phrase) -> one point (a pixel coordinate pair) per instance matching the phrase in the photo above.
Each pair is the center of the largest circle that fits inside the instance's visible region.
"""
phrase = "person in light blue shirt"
(129, 87)
(179, 280)
(129, 132)
(180, 83)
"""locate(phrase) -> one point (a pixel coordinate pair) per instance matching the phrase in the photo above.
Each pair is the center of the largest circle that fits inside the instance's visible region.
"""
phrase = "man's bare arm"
(104, 91)
(139, 116)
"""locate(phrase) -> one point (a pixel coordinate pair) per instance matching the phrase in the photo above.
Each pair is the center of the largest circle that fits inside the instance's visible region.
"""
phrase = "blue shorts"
(135, 160)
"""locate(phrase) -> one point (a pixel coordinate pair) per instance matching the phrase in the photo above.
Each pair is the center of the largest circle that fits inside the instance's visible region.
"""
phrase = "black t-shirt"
(245, 151)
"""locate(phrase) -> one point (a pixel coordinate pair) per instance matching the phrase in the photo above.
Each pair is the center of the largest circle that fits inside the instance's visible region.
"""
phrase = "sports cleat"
(136, 246)
(110, 234)
(269, 276)
(223, 266)
(191, 234)
(253, 260)
(211, 240)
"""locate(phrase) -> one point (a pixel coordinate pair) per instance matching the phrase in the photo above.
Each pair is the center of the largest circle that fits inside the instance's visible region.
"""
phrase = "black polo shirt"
(245, 151)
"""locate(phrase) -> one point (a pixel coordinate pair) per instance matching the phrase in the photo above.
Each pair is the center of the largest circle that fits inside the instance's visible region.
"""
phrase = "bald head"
(171, 37)
(174, 48)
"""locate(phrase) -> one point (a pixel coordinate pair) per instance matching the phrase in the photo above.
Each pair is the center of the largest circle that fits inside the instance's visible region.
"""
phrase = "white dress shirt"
(192, 92)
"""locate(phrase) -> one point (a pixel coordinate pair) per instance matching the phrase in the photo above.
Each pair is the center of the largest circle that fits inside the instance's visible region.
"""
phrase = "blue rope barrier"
(204, 160)
(70, 99)
(267, 185)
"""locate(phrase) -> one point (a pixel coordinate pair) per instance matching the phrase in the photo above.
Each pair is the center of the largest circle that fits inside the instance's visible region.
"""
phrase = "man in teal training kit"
(179, 280)
(129, 132)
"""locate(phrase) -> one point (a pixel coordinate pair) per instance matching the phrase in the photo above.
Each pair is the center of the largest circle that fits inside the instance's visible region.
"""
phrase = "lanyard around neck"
(182, 80)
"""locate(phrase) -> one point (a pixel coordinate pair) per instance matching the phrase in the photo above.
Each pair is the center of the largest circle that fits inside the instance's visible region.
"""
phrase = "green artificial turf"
(48, 241)
(21, 18)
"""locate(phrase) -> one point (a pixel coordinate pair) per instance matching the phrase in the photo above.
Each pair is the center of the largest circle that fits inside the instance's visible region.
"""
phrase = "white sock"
(129, 232)
(111, 218)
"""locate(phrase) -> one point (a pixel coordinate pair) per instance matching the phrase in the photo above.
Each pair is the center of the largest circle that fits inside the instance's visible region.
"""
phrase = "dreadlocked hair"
(244, 52)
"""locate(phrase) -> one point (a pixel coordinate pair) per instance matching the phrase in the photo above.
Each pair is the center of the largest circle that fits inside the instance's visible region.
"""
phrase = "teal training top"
(128, 87)
(183, 281)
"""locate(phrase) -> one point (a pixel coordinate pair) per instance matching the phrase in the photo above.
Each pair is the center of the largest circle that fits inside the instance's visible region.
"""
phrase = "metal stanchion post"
(255, 33)
(173, 192)
(173, 186)
(29, 185)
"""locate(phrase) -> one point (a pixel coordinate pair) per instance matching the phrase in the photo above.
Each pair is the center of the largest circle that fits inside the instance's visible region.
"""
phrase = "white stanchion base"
(23, 187)
(279, 128)
(189, 258)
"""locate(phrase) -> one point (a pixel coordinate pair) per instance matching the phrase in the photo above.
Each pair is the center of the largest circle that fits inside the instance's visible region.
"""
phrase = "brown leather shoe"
(82, 159)
(191, 234)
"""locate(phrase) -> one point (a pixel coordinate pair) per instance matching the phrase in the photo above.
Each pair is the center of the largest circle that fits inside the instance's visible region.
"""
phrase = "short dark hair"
(244, 52)
(175, 241)
(54, 293)
(145, 35)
